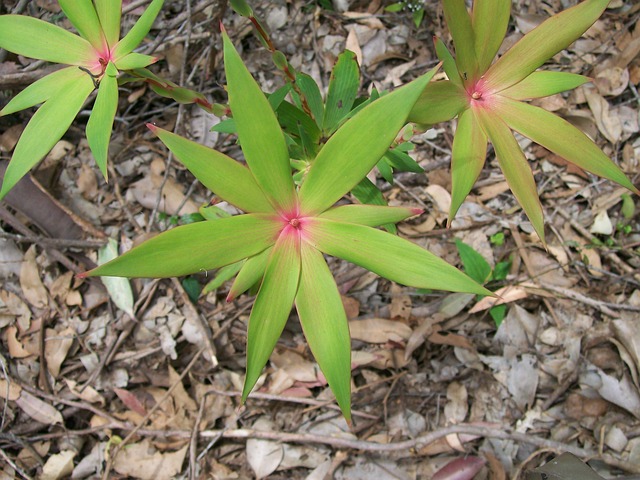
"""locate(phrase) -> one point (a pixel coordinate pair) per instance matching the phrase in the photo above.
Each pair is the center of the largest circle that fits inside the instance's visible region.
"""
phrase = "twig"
(13, 465)
(53, 242)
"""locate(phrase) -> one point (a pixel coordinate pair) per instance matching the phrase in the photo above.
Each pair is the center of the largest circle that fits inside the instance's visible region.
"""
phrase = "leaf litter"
(138, 397)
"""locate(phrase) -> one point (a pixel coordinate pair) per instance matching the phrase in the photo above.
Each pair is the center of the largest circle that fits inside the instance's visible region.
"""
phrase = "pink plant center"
(479, 95)
(103, 57)
(293, 224)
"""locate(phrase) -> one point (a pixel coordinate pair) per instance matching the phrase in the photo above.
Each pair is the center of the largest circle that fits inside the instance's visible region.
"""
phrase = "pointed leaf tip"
(417, 211)
(152, 127)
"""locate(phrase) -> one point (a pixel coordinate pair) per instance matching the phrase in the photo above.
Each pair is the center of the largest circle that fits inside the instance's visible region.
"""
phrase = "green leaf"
(474, 264)
(251, 273)
(562, 138)
(261, 138)
(394, 7)
(366, 192)
(357, 146)
(82, 15)
(241, 7)
(221, 174)
(272, 306)
(542, 84)
(100, 122)
(223, 275)
(490, 19)
(498, 313)
(311, 92)
(384, 168)
(109, 13)
(42, 90)
(467, 158)
(26, 36)
(515, 167)
(459, 23)
(389, 256)
(542, 43)
(139, 30)
(135, 60)
(369, 215)
(448, 63)
(343, 89)
(194, 248)
(325, 326)
(45, 128)
(119, 289)
(293, 121)
(439, 102)
(402, 162)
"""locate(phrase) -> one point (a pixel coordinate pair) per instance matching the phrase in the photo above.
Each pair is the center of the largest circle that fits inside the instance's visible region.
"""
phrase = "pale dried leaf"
(56, 348)
(602, 224)
(9, 390)
(143, 461)
(32, 287)
(379, 330)
(506, 294)
(455, 410)
(608, 124)
(119, 288)
(264, 456)
(88, 393)
(619, 392)
(58, 466)
(39, 410)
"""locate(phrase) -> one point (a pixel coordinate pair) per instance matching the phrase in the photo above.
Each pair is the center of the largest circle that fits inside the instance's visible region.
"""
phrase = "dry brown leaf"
(506, 294)
(130, 401)
(457, 406)
(143, 461)
(609, 125)
(612, 81)
(145, 192)
(15, 346)
(353, 45)
(9, 390)
(39, 410)
(56, 348)
(453, 339)
(88, 393)
(491, 191)
(400, 306)
(58, 466)
(87, 182)
(264, 456)
(379, 330)
(32, 287)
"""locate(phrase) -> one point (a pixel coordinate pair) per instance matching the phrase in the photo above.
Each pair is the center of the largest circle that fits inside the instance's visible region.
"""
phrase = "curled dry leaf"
(9, 390)
(56, 348)
(30, 282)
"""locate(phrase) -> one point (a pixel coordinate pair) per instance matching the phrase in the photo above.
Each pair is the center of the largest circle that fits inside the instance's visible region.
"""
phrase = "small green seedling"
(479, 269)
(287, 228)
(416, 7)
(487, 98)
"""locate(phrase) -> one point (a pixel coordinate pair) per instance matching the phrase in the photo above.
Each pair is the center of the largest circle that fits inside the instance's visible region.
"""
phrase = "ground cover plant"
(486, 96)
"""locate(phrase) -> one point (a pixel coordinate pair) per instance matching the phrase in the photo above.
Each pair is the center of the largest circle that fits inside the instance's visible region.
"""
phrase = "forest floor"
(88, 390)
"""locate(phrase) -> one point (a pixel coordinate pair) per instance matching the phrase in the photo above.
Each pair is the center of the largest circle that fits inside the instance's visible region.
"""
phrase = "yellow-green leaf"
(260, 135)
(490, 19)
(542, 84)
(324, 323)
(82, 15)
(36, 38)
(100, 122)
(139, 30)
(109, 13)
(461, 29)
(515, 167)
(250, 274)
(439, 102)
(542, 43)
(225, 177)
(196, 247)
(370, 215)
(467, 158)
(389, 256)
(272, 307)
(562, 138)
(357, 146)
(45, 128)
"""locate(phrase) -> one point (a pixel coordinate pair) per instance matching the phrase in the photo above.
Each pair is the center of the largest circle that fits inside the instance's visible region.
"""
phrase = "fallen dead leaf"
(56, 348)
(9, 390)
(379, 330)
(58, 465)
(264, 456)
(144, 462)
(39, 410)
(32, 287)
